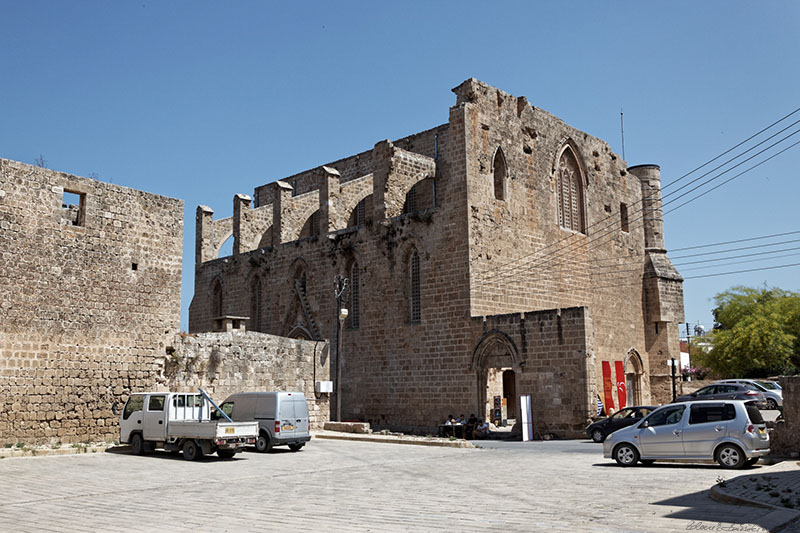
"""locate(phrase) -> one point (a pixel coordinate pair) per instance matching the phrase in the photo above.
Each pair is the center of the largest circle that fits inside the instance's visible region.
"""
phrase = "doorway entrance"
(495, 362)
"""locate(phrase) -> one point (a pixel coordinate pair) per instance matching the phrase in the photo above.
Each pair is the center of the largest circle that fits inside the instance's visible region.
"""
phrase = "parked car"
(599, 430)
(282, 417)
(774, 397)
(770, 385)
(731, 432)
(726, 391)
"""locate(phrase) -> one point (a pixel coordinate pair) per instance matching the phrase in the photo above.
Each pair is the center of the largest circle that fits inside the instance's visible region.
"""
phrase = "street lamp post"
(339, 286)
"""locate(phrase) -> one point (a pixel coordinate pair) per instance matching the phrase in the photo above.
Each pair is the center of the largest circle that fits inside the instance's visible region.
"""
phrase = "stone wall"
(89, 299)
(224, 363)
(785, 439)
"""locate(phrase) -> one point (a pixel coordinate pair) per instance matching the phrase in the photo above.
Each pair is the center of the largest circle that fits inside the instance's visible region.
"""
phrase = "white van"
(282, 417)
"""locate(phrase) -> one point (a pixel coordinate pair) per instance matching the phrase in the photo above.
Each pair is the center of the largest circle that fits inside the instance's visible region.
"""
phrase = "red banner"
(622, 393)
(608, 387)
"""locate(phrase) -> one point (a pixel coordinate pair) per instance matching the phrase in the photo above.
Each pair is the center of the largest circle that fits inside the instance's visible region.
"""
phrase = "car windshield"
(758, 386)
(770, 385)
(752, 386)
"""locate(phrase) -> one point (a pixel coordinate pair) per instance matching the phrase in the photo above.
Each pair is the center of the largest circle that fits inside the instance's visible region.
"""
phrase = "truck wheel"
(137, 444)
(296, 447)
(226, 454)
(263, 444)
(191, 451)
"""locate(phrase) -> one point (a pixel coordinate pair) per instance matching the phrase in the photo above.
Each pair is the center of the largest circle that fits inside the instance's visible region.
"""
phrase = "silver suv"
(731, 432)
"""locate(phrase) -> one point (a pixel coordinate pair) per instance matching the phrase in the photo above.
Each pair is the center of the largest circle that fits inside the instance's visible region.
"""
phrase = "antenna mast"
(622, 130)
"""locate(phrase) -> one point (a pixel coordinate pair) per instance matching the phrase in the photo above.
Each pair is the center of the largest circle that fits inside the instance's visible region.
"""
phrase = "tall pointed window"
(413, 267)
(216, 300)
(355, 296)
(570, 193)
(500, 171)
(256, 305)
(361, 213)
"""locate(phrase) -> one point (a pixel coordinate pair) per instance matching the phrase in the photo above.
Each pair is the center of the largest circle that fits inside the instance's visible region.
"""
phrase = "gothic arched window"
(216, 300)
(500, 172)
(570, 193)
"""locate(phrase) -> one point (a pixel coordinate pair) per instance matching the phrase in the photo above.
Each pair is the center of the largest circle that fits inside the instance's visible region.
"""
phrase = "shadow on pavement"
(707, 515)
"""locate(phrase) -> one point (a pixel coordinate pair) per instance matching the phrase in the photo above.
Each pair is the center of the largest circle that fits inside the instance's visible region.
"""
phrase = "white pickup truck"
(178, 421)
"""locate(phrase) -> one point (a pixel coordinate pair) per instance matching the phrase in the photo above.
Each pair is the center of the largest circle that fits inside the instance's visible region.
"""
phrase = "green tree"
(757, 333)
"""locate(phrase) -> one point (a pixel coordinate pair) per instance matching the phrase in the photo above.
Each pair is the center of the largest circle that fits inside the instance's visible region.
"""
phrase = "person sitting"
(470, 427)
(481, 430)
(446, 429)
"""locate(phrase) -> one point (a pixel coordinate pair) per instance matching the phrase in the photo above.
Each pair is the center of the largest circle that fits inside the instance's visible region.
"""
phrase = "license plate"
(287, 427)
(761, 430)
(230, 431)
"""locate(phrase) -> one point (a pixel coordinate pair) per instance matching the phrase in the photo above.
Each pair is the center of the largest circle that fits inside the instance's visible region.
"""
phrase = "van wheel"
(137, 444)
(626, 455)
(263, 444)
(730, 456)
(226, 454)
(191, 451)
(296, 447)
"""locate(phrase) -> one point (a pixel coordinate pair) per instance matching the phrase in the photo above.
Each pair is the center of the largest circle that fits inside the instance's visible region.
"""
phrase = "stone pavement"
(776, 487)
(360, 486)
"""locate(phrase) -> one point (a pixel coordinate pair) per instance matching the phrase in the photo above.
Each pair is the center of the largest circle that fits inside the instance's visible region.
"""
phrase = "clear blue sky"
(203, 100)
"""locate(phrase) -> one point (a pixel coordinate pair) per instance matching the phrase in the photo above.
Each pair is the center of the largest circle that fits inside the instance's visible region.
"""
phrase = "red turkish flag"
(621, 388)
(608, 387)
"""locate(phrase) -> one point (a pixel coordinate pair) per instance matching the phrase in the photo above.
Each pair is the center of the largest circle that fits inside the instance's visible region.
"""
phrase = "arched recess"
(300, 332)
(311, 226)
(500, 174)
(358, 216)
(634, 370)
(571, 184)
(353, 300)
(217, 297)
(497, 366)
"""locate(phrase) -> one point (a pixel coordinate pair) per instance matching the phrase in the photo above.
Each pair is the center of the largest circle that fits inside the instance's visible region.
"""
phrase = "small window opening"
(656, 324)
(73, 208)
(294, 187)
(416, 313)
(623, 217)
(360, 213)
(355, 296)
(411, 200)
(134, 266)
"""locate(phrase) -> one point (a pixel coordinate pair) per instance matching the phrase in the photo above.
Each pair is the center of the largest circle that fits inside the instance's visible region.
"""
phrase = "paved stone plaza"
(357, 486)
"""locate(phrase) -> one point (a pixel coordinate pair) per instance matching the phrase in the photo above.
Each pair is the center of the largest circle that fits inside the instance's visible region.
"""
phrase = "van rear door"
(301, 415)
(287, 416)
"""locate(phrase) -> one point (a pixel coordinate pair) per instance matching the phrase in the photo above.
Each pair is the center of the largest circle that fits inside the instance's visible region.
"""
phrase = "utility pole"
(674, 389)
(339, 286)
(688, 344)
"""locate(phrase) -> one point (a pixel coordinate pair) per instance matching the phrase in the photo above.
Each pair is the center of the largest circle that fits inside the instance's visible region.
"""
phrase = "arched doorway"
(496, 364)
(633, 377)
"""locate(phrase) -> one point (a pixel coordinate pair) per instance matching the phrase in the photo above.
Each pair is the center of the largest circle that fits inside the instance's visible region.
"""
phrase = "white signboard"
(527, 417)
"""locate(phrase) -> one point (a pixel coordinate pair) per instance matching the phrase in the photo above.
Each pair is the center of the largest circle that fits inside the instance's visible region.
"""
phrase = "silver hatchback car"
(731, 432)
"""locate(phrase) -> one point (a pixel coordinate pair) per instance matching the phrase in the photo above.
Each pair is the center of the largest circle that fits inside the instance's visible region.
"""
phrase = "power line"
(734, 241)
(736, 249)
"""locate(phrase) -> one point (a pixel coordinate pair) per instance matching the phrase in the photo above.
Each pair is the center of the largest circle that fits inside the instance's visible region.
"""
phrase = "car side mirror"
(644, 424)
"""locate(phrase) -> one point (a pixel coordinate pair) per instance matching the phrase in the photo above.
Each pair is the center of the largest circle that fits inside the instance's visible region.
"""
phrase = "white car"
(730, 432)
(774, 396)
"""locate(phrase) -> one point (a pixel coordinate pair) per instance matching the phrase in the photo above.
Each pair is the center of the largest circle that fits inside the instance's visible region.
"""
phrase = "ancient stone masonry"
(503, 242)
(89, 298)
(224, 363)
